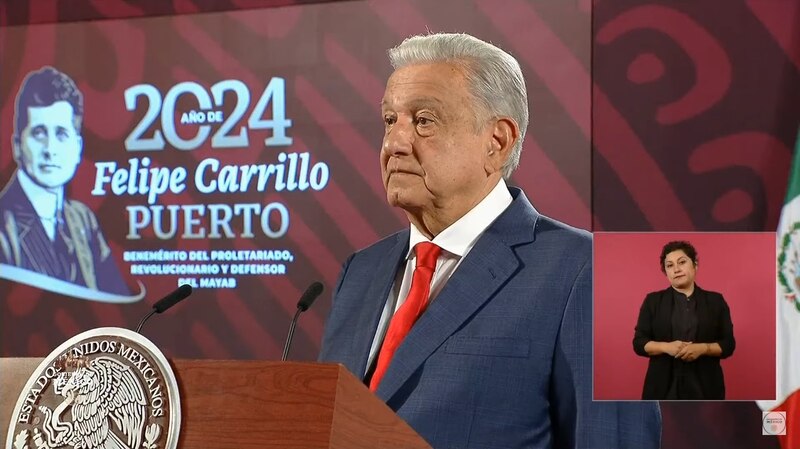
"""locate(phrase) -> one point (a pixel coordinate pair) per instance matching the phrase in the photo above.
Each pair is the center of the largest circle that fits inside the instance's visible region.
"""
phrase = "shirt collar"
(460, 237)
(45, 202)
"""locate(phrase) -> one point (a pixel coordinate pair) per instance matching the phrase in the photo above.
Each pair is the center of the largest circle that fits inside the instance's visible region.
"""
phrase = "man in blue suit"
(498, 354)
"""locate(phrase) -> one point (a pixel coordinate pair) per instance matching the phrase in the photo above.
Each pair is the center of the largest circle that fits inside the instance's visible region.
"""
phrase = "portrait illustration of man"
(41, 230)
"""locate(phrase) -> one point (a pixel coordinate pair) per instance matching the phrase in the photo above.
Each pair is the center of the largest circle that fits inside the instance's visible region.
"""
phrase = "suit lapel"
(489, 264)
(375, 300)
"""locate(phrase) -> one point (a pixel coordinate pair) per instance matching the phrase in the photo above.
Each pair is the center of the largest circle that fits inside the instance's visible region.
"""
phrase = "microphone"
(178, 295)
(308, 298)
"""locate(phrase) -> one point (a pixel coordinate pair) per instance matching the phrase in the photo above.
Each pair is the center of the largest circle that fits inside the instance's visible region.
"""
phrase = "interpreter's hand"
(672, 348)
(692, 351)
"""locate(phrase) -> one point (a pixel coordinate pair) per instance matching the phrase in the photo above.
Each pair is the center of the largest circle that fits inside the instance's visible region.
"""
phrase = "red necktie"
(410, 311)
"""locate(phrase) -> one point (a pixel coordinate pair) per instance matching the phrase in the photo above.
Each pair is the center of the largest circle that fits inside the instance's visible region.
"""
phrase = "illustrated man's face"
(49, 148)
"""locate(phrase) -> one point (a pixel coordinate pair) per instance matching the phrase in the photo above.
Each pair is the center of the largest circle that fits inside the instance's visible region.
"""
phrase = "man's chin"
(50, 183)
(403, 200)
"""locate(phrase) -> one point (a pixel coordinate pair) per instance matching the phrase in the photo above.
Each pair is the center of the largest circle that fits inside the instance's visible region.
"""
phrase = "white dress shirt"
(456, 241)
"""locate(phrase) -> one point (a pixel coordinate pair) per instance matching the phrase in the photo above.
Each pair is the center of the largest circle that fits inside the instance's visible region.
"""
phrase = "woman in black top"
(685, 331)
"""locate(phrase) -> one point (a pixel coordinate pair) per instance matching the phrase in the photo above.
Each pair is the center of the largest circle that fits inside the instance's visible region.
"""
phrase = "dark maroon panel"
(695, 114)
(45, 11)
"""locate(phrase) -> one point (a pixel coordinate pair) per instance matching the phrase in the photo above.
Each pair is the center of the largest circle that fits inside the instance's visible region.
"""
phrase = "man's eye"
(388, 120)
(62, 134)
(424, 121)
(38, 133)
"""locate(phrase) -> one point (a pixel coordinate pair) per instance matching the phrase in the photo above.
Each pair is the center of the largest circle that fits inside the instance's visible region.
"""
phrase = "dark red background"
(694, 111)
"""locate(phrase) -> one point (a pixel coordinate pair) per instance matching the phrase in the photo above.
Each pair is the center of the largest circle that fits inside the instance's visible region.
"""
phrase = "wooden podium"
(256, 404)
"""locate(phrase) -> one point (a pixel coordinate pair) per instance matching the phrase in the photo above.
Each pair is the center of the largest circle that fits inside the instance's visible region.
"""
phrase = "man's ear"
(505, 133)
(80, 146)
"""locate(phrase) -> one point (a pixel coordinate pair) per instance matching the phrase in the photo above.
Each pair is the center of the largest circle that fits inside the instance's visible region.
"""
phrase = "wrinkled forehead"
(438, 81)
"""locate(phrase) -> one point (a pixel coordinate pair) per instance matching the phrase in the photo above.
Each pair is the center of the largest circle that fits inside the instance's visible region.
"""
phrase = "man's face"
(680, 269)
(435, 153)
(49, 148)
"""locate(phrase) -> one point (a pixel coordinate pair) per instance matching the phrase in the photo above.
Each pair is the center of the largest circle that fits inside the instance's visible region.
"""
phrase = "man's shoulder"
(11, 195)
(521, 215)
(363, 264)
(562, 230)
(561, 236)
(379, 248)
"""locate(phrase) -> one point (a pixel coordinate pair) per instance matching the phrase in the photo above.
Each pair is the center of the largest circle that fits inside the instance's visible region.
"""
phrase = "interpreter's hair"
(494, 76)
(677, 245)
(43, 88)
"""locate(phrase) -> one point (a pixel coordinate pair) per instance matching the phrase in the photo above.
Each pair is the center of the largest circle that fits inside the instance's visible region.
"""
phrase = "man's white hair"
(494, 76)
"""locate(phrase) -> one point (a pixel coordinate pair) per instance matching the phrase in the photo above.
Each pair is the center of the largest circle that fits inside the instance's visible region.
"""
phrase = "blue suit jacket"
(502, 358)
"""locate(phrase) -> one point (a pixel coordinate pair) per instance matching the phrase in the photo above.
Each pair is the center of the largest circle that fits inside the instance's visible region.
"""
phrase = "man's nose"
(399, 138)
(47, 147)
(51, 146)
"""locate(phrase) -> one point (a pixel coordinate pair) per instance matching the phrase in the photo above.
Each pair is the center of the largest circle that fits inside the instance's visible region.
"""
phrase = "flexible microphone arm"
(166, 302)
(311, 294)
